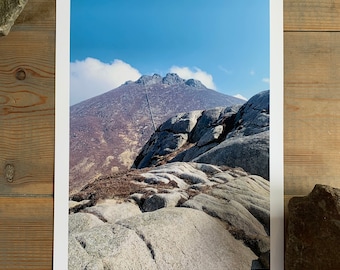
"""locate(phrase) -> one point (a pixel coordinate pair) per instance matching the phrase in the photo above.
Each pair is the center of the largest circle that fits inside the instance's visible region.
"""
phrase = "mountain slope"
(108, 131)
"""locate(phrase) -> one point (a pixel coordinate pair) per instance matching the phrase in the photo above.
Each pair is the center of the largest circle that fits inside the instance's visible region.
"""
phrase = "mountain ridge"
(107, 131)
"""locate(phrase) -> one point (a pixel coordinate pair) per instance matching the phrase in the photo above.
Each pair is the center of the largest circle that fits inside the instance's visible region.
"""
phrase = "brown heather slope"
(108, 131)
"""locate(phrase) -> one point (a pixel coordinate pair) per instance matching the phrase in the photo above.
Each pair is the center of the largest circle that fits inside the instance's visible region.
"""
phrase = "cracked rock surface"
(171, 238)
(236, 136)
(180, 215)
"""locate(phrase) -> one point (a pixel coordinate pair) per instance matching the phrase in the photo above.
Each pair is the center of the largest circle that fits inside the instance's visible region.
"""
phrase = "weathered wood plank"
(27, 60)
(26, 233)
(311, 15)
(38, 14)
(311, 110)
(27, 79)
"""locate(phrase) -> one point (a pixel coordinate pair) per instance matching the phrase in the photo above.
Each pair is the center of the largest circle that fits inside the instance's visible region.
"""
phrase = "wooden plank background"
(27, 68)
(311, 119)
(311, 95)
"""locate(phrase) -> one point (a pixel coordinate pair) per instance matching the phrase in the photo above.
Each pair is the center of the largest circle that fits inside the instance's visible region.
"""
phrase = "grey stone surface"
(74, 205)
(113, 246)
(229, 211)
(111, 211)
(154, 176)
(181, 123)
(161, 144)
(253, 116)
(193, 152)
(80, 222)
(250, 191)
(210, 136)
(149, 80)
(206, 168)
(183, 170)
(250, 153)
(79, 259)
(194, 83)
(212, 226)
(172, 78)
(189, 239)
(205, 122)
(234, 136)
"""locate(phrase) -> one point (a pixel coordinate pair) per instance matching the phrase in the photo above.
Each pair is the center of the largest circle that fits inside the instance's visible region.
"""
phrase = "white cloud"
(266, 80)
(91, 77)
(252, 72)
(197, 74)
(240, 97)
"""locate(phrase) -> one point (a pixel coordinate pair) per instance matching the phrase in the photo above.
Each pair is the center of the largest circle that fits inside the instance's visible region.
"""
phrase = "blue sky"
(223, 43)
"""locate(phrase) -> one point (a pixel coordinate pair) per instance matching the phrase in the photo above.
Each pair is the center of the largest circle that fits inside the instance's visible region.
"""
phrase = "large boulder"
(313, 230)
(80, 222)
(236, 136)
(248, 152)
(251, 191)
(253, 116)
(108, 247)
(232, 212)
(111, 210)
(170, 238)
(181, 123)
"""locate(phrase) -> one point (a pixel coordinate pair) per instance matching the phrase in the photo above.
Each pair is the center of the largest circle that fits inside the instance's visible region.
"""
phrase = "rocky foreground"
(175, 216)
(188, 204)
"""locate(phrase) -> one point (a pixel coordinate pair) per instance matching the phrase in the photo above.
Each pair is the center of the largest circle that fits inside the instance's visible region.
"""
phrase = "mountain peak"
(194, 83)
(149, 80)
(169, 79)
(172, 78)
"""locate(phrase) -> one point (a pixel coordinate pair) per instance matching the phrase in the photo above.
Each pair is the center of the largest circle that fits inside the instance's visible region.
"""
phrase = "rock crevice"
(234, 136)
(235, 201)
(142, 236)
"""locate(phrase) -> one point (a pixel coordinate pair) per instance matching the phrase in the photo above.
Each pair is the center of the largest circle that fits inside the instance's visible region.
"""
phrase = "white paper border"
(276, 136)
(61, 171)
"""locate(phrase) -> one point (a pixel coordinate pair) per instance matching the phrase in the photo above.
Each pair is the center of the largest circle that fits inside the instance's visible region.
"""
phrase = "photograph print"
(169, 135)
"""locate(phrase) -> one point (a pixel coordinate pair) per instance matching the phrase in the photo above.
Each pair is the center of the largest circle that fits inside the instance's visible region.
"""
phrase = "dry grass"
(119, 185)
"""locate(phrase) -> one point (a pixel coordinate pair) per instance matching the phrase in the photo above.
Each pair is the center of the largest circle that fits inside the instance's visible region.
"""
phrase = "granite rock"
(170, 238)
(235, 136)
(163, 211)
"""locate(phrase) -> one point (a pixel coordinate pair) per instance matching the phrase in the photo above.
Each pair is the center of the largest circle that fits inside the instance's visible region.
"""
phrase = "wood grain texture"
(27, 107)
(40, 14)
(27, 93)
(26, 231)
(311, 15)
(311, 110)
